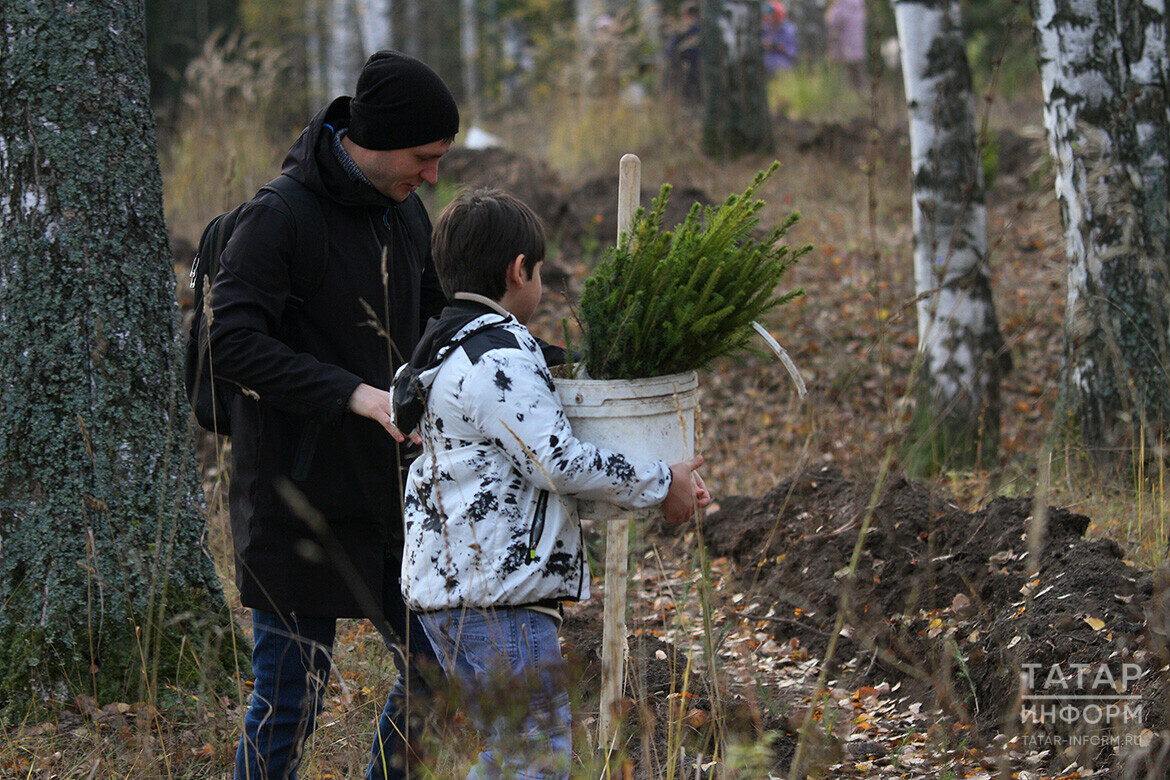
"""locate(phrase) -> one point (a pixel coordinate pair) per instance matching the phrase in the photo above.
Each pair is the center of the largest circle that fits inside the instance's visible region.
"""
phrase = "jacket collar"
(483, 299)
(462, 316)
(312, 161)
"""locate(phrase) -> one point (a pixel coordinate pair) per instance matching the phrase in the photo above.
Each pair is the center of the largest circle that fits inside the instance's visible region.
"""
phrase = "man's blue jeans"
(508, 662)
(291, 659)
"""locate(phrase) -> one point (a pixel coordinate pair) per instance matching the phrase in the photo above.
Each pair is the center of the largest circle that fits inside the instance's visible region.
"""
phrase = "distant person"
(493, 539)
(780, 46)
(845, 23)
(683, 50)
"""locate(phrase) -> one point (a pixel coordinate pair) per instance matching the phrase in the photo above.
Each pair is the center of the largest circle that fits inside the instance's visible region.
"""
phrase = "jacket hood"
(311, 161)
(447, 331)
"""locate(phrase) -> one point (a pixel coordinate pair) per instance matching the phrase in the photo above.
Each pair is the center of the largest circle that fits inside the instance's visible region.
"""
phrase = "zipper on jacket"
(537, 529)
(582, 571)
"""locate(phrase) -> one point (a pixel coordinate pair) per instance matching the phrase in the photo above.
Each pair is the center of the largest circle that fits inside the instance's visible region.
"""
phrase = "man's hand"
(369, 401)
(687, 492)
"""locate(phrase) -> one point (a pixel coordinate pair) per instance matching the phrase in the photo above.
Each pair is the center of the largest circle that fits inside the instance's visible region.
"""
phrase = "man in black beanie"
(324, 287)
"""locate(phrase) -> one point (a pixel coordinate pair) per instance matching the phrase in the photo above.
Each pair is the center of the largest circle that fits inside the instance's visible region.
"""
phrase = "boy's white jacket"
(491, 504)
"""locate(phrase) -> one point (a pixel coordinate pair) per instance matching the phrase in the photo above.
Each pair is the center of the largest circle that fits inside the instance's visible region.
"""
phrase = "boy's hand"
(687, 492)
(369, 401)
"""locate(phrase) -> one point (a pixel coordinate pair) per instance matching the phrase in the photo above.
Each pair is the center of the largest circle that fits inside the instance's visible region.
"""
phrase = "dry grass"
(225, 146)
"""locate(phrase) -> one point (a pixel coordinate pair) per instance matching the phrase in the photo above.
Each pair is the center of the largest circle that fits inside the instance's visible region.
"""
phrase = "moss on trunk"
(103, 572)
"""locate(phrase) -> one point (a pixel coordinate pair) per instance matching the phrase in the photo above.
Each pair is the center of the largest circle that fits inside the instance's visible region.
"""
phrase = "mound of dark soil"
(579, 217)
(597, 201)
(529, 180)
(943, 599)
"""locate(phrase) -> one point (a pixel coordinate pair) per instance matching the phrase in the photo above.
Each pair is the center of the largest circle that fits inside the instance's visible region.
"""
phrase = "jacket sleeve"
(248, 299)
(513, 401)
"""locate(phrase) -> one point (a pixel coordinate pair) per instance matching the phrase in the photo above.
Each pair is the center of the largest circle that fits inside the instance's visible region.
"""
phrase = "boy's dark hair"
(478, 236)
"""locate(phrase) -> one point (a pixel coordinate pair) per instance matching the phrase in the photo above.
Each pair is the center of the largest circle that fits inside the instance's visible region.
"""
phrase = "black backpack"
(211, 400)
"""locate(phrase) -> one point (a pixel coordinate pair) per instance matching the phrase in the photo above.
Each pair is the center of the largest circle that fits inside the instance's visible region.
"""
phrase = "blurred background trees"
(675, 78)
(501, 55)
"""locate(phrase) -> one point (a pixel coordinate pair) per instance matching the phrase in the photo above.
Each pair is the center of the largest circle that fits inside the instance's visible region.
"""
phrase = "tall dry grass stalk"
(225, 146)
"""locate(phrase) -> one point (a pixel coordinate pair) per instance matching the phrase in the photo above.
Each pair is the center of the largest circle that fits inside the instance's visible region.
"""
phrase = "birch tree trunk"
(339, 36)
(105, 584)
(736, 119)
(469, 55)
(962, 353)
(586, 14)
(1106, 96)
(376, 29)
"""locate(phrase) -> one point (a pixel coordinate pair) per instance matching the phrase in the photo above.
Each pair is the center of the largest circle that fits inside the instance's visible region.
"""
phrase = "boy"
(493, 542)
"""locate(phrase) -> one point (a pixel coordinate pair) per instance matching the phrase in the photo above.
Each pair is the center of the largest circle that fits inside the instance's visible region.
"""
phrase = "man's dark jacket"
(297, 370)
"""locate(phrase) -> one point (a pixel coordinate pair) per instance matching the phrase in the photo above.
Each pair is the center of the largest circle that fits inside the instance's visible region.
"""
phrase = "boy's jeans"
(509, 661)
(291, 658)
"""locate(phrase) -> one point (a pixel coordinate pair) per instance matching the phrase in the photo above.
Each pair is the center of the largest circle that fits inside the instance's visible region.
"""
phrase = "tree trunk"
(339, 36)
(812, 38)
(104, 579)
(962, 352)
(376, 30)
(736, 119)
(469, 54)
(412, 38)
(1104, 73)
(586, 14)
(315, 53)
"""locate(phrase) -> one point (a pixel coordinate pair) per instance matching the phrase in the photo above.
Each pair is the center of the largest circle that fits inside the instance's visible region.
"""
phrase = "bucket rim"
(682, 382)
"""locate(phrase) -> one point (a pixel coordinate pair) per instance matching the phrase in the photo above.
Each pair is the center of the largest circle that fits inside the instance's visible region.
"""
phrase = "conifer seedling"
(671, 301)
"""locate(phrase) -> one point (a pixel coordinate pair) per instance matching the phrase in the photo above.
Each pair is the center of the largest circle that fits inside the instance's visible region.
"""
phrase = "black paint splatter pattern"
(478, 532)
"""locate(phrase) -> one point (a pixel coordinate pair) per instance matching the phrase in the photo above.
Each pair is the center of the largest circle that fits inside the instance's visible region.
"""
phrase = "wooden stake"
(617, 540)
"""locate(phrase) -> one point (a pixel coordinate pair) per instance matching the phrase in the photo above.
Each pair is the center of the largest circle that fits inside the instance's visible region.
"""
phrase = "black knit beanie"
(400, 103)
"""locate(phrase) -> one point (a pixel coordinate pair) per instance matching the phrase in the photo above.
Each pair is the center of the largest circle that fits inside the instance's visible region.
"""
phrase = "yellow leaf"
(1095, 623)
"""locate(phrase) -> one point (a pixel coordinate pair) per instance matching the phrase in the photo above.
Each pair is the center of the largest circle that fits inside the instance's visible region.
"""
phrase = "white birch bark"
(961, 349)
(374, 26)
(1104, 75)
(340, 36)
(469, 54)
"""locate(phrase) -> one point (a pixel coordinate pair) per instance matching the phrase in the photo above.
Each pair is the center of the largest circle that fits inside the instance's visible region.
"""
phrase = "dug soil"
(947, 605)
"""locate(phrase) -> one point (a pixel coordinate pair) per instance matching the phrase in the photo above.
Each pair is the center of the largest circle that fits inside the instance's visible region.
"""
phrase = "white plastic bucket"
(644, 419)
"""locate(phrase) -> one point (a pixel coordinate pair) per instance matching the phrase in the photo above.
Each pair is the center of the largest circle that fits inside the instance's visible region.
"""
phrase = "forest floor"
(766, 630)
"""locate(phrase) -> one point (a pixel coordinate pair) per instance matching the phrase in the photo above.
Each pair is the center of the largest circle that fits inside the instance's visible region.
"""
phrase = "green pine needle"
(669, 301)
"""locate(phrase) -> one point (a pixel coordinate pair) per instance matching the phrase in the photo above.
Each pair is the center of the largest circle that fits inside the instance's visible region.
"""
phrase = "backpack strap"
(409, 396)
(311, 253)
